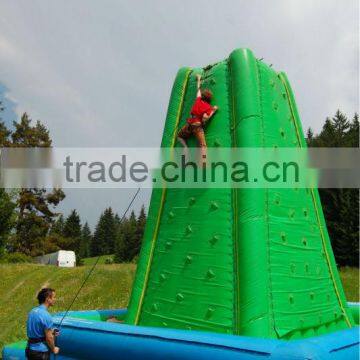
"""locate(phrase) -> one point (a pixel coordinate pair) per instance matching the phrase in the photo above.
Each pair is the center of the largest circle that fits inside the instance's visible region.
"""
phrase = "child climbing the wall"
(201, 112)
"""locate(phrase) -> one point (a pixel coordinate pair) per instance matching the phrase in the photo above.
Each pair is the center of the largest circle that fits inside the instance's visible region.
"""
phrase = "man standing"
(39, 328)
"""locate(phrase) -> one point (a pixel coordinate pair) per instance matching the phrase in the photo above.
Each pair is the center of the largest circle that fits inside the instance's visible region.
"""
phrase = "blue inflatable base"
(84, 338)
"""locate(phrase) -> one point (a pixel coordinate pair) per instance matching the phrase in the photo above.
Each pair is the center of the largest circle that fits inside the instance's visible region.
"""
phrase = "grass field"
(103, 258)
(108, 287)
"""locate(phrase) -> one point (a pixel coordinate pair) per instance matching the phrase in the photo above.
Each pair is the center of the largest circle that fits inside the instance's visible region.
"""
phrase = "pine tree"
(58, 226)
(34, 206)
(352, 138)
(96, 248)
(117, 220)
(72, 232)
(126, 245)
(119, 246)
(55, 240)
(85, 242)
(139, 233)
(105, 233)
(4, 135)
(341, 126)
(327, 137)
(4, 131)
(26, 135)
(309, 136)
(7, 217)
(72, 226)
(130, 239)
(341, 206)
(34, 219)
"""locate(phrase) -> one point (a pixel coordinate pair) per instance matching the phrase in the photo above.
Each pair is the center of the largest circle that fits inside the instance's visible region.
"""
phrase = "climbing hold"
(291, 298)
(189, 229)
(212, 82)
(168, 244)
(171, 214)
(312, 295)
(214, 205)
(284, 95)
(155, 307)
(292, 267)
(180, 297)
(305, 212)
(164, 323)
(283, 237)
(192, 201)
(282, 132)
(217, 143)
(162, 276)
(307, 267)
(304, 241)
(210, 311)
(291, 213)
(272, 83)
(275, 106)
(214, 239)
(188, 259)
(210, 274)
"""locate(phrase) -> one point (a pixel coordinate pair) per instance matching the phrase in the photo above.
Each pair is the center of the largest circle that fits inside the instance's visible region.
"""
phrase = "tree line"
(112, 236)
(340, 206)
(31, 226)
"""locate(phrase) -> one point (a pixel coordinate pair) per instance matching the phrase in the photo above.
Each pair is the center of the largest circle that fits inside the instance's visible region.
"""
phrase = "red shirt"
(199, 109)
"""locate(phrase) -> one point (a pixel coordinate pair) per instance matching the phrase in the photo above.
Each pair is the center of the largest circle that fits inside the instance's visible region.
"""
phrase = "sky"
(99, 73)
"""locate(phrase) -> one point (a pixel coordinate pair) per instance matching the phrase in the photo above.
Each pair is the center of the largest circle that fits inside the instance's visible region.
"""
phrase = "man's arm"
(50, 340)
(198, 77)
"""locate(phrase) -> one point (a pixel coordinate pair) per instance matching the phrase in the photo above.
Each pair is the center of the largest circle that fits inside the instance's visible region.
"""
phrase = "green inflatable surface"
(255, 262)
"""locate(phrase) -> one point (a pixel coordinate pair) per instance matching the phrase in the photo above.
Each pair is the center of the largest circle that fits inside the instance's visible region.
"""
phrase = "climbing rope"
(93, 267)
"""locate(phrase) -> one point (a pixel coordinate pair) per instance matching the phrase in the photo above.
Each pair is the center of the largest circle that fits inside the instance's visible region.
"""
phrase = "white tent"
(62, 258)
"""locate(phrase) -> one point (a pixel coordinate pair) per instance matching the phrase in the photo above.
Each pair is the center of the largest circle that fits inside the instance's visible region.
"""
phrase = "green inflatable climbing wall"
(255, 262)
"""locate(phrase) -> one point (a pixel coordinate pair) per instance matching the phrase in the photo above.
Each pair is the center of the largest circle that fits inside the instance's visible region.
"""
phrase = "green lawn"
(103, 258)
(350, 280)
(108, 287)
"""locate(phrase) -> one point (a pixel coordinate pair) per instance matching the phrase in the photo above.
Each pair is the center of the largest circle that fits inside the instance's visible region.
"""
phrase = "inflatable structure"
(228, 273)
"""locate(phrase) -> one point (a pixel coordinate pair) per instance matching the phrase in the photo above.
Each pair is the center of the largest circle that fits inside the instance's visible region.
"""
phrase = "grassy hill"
(108, 287)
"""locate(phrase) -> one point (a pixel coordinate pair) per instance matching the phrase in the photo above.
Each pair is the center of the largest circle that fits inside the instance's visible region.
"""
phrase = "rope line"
(93, 267)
